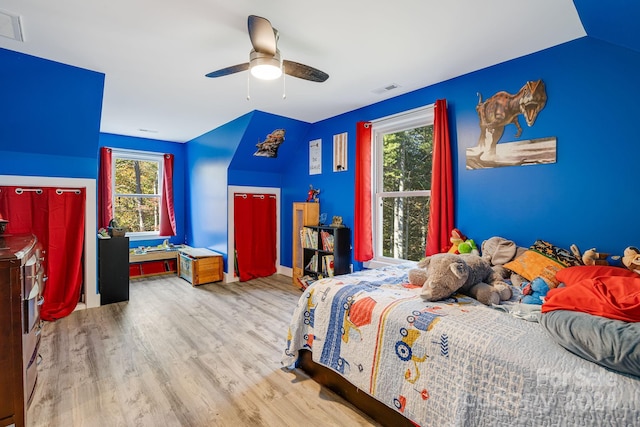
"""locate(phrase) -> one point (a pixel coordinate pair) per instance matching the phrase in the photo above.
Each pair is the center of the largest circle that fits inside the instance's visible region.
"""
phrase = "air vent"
(10, 26)
(386, 88)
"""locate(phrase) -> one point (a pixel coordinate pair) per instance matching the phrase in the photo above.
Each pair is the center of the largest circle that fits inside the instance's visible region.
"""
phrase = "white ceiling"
(155, 53)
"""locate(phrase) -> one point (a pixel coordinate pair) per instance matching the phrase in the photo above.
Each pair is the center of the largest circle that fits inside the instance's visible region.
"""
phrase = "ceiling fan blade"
(305, 72)
(262, 35)
(229, 70)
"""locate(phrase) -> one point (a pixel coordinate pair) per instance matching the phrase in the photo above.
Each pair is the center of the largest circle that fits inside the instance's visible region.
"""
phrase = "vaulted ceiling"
(155, 53)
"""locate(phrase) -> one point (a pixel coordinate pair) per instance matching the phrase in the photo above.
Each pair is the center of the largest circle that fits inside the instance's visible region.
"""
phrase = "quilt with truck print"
(451, 362)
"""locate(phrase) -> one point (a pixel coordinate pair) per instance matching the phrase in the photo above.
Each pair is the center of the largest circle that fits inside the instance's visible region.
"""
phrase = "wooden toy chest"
(199, 266)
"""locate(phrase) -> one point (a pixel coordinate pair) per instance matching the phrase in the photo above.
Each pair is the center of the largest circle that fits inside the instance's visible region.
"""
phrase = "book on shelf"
(313, 263)
(308, 238)
(327, 265)
(327, 241)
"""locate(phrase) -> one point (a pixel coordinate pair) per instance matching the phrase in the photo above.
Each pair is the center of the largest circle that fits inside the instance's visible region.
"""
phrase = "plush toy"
(631, 259)
(456, 239)
(534, 292)
(591, 257)
(442, 275)
(468, 247)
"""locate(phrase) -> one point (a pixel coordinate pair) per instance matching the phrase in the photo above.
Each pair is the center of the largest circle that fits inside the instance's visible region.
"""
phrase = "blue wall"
(49, 117)
(592, 93)
(179, 162)
(224, 156)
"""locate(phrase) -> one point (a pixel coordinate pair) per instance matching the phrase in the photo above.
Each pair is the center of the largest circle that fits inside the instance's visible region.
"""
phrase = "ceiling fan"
(265, 61)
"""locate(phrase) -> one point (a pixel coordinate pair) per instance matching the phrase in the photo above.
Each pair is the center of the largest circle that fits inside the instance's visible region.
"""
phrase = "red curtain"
(105, 190)
(167, 214)
(57, 218)
(441, 208)
(255, 235)
(362, 231)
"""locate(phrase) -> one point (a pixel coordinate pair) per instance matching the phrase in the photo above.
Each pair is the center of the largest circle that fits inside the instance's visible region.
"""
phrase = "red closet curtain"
(255, 235)
(362, 231)
(441, 204)
(65, 253)
(167, 215)
(57, 218)
(105, 190)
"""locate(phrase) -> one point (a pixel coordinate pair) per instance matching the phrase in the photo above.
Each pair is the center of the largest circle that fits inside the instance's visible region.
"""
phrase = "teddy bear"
(631, 259)
(442, 275)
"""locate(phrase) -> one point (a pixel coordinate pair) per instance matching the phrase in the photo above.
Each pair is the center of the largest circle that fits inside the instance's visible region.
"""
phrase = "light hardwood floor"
(175, 355)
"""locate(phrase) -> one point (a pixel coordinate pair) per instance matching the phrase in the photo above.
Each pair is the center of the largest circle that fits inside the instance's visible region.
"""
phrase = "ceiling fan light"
(265, 66)
(266, 71)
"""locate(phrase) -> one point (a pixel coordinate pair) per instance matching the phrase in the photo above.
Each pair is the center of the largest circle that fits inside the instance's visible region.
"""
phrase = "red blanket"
(608, 296)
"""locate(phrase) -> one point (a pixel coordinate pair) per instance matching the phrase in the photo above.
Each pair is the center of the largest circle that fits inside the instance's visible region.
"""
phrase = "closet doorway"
(91, 298)
(254, 232)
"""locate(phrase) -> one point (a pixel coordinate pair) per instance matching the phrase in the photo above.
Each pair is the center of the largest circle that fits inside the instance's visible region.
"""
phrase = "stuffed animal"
(591, 257)
(442, 275)
(456, 239)
(468, 247)
(631, 259)
(534, 292)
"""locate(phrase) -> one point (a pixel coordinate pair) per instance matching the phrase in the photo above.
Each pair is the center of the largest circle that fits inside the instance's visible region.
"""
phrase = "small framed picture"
(315, 157)
(340, 152)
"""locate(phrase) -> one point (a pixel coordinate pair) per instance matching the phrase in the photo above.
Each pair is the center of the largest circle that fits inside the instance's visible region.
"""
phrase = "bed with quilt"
(453, 362)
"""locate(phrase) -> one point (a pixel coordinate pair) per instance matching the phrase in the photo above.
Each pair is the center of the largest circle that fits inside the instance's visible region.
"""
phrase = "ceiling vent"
(386, 88)
(10, 26)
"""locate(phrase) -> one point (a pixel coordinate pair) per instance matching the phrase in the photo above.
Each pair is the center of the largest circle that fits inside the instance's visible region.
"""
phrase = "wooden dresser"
(21, 287)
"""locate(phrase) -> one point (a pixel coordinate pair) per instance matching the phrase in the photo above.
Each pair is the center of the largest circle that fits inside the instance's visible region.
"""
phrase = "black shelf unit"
(340, 250)
(113, 269)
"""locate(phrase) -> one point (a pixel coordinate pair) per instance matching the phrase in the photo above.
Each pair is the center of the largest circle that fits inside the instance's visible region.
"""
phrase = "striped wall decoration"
(340, 152)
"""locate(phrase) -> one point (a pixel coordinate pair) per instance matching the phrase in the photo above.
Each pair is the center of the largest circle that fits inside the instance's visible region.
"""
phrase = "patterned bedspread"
(454, 362)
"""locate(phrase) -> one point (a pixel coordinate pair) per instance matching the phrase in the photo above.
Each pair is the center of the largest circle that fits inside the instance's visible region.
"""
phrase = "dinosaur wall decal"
(502, 109)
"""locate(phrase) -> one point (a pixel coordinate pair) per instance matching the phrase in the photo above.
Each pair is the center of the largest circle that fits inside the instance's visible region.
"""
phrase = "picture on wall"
(315, 157)
(503, 109)
(340, 152)
(269, 147)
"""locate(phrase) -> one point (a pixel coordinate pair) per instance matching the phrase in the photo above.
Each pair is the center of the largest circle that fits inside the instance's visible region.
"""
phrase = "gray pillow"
(611, 343)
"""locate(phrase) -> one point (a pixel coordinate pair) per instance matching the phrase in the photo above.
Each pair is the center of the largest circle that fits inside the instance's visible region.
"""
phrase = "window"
(403, 151)
(137, 190)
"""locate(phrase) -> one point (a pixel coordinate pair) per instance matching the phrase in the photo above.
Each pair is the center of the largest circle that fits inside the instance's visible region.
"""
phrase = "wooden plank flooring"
(175, 355)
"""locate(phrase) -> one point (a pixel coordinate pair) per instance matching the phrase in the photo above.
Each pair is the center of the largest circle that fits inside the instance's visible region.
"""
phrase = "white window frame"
(406, 120)
(117, 153)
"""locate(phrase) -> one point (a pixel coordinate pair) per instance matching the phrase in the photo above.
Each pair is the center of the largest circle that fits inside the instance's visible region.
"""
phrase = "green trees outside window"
(137, 194)
(406, 185)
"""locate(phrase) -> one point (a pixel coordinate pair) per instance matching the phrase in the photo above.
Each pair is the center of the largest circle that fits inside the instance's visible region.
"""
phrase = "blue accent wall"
(224, 156)
(49, 117)
(583, 198)
(179, 186)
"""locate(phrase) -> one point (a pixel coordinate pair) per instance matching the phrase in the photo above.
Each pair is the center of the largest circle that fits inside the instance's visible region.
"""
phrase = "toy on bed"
(499, 251)
(534, 292)
(442, 275)
(631, 259)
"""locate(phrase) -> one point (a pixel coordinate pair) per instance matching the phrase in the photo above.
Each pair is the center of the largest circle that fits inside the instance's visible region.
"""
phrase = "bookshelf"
(304, 213)
(326, 250)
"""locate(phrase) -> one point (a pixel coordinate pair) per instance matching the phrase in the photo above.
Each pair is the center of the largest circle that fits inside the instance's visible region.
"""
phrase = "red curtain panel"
(66, 220)
(362, 231)
(57, 218)
(255, 235)
(441, 207)
(167, 215)
(105, 190)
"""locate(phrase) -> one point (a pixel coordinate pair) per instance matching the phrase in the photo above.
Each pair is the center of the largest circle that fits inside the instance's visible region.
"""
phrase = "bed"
(451, 362)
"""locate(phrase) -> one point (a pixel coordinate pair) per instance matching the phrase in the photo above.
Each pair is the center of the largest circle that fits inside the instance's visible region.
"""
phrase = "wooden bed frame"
(361, 400)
